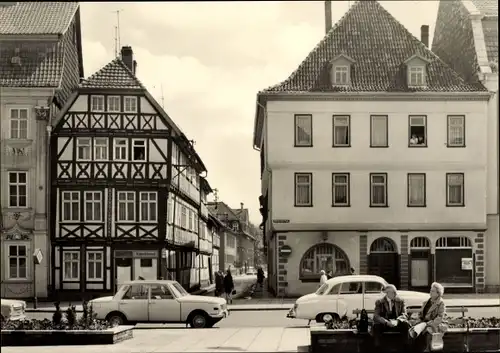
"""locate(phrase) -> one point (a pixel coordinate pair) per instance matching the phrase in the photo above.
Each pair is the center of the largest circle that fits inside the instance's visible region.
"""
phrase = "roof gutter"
(256, 144)
(294, 96)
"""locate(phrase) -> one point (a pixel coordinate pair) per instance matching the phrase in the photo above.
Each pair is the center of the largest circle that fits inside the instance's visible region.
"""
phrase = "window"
(93, 206)
(303, 189)
(121, 149)
(340, 189)
(416, 190)
(324, 256)
(114, 104)
(417, 131)
(378, 189)
(71, 265)
(130, 105)
(341, 131)
(190, 225)
(70, 206)
(456, 131)
(83, 146)
(416, 76)
(148, 206)
(100, 149)
(335, 290)
(136, 291)
(170, 211)
(160, 292)
(146, 262)
(126, 206)
(183, 216)
(95, 265)
(351, 288)
(138, 150)
(18, 262)
(379, 129)
(19, 123)
(321, 290)
(97, 103)
(18, 189)
(341, 75)
(303, 130)
(373, 287)
(454, 189)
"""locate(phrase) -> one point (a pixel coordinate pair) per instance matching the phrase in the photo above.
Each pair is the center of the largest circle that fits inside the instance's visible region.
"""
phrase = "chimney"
(128, 58)
(135, 67)
(241, 205)
(424, 35)
(328, 16)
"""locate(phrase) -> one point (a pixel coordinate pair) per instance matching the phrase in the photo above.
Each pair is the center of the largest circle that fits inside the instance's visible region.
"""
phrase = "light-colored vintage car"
(341, 295)
(12, 309)
(159, 301)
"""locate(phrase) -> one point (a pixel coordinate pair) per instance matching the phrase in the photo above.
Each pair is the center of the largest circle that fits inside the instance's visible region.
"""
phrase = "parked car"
(159, 301)
(12, 309)
(341, 295)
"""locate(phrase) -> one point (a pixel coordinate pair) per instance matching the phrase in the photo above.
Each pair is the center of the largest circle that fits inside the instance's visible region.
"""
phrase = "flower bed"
(63, 329)
(482, 335)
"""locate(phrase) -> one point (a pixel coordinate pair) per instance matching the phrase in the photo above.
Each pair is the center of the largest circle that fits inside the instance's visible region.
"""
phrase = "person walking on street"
(228, 287)
(260, 277)
(323, 278)
(219, 283)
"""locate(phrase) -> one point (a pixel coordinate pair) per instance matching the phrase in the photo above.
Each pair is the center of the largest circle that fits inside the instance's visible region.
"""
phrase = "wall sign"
(285, 250)
(37, 256)
(281, 221)
(467, 263)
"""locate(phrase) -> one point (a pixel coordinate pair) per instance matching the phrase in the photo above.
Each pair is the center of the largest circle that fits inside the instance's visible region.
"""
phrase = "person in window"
(414, 140)
(432, 315)
(323, 278)
(228, 287)
(421, 140)
(390, 316)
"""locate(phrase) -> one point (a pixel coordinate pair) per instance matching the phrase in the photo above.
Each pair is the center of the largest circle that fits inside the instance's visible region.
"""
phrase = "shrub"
(57, 316)
(71, 316)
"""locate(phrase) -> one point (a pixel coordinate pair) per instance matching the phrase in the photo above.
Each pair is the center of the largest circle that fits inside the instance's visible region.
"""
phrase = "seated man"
(390, 316)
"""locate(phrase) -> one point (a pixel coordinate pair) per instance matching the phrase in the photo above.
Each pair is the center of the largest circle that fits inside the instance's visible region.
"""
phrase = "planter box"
(349, 341)
(65, 338)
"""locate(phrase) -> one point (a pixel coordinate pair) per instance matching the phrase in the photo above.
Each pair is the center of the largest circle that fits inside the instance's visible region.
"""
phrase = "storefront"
(455, 262)
(135, 264)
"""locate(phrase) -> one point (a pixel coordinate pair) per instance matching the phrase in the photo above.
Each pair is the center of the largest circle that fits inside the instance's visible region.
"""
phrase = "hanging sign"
(467, 263)
(37, 256)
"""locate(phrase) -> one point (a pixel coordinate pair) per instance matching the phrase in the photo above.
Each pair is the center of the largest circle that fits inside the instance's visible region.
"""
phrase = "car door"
(163, 306)
(350, 297)
(330, 299)
(372, 292)
(134, 303)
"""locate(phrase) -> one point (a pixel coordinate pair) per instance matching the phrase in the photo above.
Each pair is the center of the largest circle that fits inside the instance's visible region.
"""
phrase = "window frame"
(109, 98)
(386, 204)
(448, 204)
(448, 135)
(334, 143)
(92, 108)
(133, 98)
(95, 146)
(8, 257)
(27, 109)
(408, 177)
(78, 145)
(145, 150)
(93, 202)
(372, 145)
(71, 201)
(337, 69)
(296, 127)
(126, 202)
(310, 176)
(348, 189)
(125, 147)
(17, 184)
(421, 72)
(426, 142)
(78, 262)
(148, 202)
(89, 261)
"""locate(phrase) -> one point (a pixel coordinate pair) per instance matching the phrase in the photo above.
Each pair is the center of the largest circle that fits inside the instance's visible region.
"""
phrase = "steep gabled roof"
(114, 75)
(220, 208)
(487, 7)
(24, 17)
(379, 44)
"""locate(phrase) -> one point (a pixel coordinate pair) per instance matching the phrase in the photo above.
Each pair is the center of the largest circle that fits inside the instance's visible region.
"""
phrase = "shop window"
(146, 262)
(327, 257)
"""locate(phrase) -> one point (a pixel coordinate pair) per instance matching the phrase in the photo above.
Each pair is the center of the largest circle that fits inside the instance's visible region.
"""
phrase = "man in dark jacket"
(390, 315)
(219, 283)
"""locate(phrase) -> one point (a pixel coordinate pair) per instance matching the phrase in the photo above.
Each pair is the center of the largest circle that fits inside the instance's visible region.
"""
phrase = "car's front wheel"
(199, 320)
(116, 319)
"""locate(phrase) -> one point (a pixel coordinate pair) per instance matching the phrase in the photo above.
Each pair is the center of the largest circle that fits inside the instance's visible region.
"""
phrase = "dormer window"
(340, 71)
(341, 75)
(416, 76)
(416, 67)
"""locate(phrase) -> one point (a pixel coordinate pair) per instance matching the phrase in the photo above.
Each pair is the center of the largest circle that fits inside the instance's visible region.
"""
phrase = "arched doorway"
(383, 260)
(420, 264)
(454, 262)
(327, 257)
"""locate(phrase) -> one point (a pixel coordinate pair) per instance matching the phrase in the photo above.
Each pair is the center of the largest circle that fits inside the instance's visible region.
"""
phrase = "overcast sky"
(212, 58)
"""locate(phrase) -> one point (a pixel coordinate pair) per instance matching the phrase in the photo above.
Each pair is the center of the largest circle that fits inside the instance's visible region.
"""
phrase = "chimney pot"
(328, 16)
(241, 205)
(424, 35)
(135, 67)
(128, 57)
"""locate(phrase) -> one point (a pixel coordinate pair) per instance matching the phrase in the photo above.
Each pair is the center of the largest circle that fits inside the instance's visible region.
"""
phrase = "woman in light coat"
(323, 278)
(432, 314)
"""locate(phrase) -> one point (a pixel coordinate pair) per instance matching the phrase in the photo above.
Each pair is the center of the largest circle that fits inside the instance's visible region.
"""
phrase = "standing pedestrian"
(260, 277)
(352, 271)
(228, 287)
(329, 275)
(219, 283)
(323, 278)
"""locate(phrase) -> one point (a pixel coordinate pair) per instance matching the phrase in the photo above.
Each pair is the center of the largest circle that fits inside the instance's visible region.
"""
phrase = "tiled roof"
(487, 7)
(41, 64)
(379, 44)
(24, 18)
(114, 75)
(490, 30)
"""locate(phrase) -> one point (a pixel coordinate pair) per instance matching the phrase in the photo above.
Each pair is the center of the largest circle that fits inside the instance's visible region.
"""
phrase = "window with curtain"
(340, 189)
(416, 190)
(379, 130)
(303, 130)
(455, 189)
(341, 134)
(378, 186)
(456, 131)
(303, 189)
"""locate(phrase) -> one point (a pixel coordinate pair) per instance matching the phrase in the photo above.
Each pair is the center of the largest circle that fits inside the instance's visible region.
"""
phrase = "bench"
(412, 310)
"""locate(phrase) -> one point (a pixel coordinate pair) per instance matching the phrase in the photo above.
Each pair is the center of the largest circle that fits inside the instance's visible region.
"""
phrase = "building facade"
(40, 63)
(466, 38)
(125, 192)
(383, 165)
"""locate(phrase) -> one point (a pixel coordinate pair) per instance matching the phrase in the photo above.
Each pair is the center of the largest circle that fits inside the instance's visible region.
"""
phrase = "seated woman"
(432, 316)
(390, 316)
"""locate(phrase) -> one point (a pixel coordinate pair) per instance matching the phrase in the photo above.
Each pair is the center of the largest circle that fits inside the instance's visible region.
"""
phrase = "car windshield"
(178, 290)
(322, 289)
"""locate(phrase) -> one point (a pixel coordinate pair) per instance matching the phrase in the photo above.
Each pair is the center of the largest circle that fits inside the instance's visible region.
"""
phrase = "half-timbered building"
(114, 153)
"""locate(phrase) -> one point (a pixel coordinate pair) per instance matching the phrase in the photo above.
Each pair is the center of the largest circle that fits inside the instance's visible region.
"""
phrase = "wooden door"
(420, 272)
